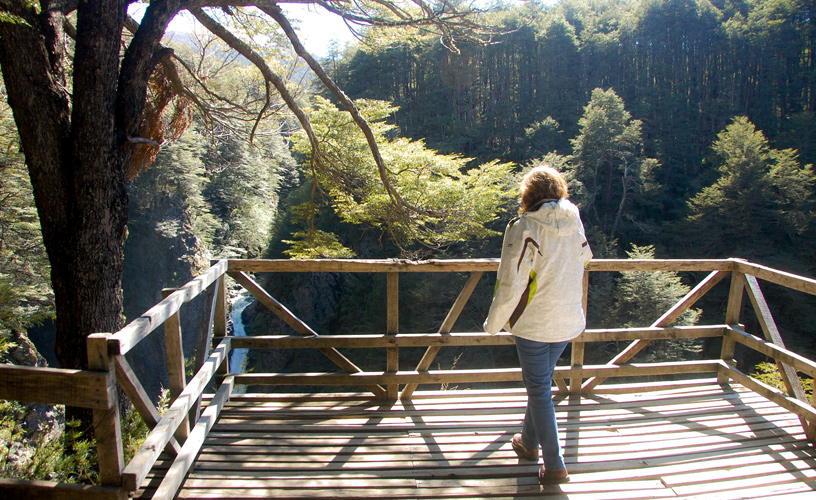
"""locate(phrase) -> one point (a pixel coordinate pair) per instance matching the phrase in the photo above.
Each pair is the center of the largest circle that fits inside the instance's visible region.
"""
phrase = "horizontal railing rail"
(180, 432)
(58, 386)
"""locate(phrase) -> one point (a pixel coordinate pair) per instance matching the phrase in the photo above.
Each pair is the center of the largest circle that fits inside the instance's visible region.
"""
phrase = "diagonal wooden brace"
(667, 319)
(771, 332)
(446, 327)
(141, 401)
(299, 326)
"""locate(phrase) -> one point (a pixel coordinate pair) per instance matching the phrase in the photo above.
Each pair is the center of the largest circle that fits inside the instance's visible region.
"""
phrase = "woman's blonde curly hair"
(542, 183)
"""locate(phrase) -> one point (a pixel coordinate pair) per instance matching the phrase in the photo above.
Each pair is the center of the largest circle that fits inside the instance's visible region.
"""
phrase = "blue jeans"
(537, 361)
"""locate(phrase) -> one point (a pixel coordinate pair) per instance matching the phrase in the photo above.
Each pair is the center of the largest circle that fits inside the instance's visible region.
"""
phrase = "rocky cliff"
(162, 252)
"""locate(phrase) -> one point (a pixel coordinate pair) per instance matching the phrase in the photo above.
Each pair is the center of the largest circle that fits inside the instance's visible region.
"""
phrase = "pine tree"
(26, 297)
(763, 198)
(607, 159)
(641, 297)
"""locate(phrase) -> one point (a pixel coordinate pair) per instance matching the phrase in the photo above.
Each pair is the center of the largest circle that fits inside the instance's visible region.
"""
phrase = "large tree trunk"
(76, 167)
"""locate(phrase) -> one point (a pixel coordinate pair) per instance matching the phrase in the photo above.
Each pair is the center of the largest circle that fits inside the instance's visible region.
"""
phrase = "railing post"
(732, 316)
(578, 348)
(174, 350)
(392, 328)
(107, 428)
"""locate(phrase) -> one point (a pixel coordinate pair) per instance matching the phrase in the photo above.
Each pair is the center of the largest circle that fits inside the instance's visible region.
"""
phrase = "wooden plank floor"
(702, 442)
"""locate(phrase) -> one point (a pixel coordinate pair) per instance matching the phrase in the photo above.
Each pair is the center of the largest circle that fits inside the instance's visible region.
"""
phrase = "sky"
(316, 27)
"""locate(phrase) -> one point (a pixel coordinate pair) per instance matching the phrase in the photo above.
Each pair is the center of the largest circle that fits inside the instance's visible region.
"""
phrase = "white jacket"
(539, 284)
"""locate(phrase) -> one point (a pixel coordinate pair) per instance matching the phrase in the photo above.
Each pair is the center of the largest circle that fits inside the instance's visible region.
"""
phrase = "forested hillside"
(684, 69)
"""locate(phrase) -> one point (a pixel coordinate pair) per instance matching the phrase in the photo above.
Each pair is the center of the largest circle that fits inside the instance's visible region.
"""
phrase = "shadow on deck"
(701, 441)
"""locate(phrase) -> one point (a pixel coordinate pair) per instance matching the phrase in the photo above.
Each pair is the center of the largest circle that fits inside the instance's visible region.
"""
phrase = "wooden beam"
(651, 333)
(577, 361)
(732, 317)
(56, 386)
(272, 304)
(562, 385)
(299, 326)
(640, 369)
(371, 341)
(220, 319)
(459, 339)
(143, 461)
(106, 422)
(666, 319)
(788, 280)
(781, 354)
(474, 376)
(676, 265)
(461, 265)
(392, 328)
(46, 490)
(182, 464)
(125, 339)
(174, 353)
(141, 401)
(578, 347)
(446, 327)
(362, 266)
(803, 410)
(771, 332)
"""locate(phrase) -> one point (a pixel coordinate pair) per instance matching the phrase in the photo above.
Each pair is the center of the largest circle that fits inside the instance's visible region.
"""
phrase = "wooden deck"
(705, 441)
(686, 440)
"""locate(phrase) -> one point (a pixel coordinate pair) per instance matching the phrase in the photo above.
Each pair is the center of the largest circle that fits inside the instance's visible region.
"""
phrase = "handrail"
(475, 375)
(59, 386)
(157, 439)
(463, 338)
(56, 386)
(789, 280)
(461, 265)
(125, 339)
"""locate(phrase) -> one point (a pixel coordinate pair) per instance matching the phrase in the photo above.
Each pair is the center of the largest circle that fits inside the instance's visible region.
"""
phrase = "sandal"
(522, 451)
(553, 476)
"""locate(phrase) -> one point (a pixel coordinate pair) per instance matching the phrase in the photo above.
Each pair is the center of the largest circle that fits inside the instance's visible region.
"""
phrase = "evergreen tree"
(26, 297)
(174, 184)
(242, 192)
(641, 297)
(762, 200)
(607, 159)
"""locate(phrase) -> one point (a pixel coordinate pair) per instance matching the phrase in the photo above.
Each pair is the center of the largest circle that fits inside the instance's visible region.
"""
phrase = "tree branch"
(275, 12)
(138, 63)
(245, 50)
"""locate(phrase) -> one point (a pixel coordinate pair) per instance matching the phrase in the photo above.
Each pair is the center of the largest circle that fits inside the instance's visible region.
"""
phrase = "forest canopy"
(638, 100)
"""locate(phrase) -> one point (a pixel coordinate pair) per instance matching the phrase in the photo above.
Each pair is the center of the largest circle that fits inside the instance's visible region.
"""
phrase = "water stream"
(239, 303)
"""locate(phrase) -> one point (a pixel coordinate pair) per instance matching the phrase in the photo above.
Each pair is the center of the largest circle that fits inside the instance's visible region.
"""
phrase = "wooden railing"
(181, 430)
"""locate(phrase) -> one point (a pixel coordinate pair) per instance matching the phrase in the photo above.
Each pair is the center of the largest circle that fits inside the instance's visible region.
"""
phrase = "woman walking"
(539, 299)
